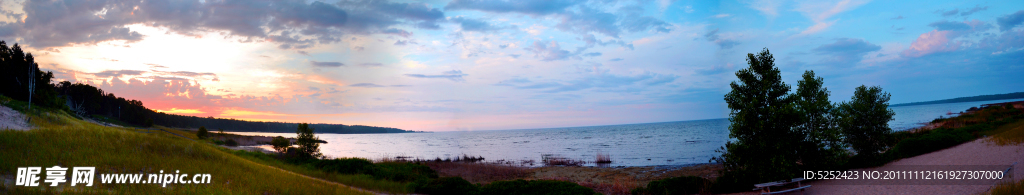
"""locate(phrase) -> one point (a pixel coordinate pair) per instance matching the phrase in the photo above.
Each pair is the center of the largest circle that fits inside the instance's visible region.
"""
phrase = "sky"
(465, 65)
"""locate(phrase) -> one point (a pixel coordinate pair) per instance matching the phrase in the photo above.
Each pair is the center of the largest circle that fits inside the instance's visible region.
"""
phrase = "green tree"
(202, 133)
(280, 143)
(308, 143)
(865, 121)
(823, 147)
(762, 116)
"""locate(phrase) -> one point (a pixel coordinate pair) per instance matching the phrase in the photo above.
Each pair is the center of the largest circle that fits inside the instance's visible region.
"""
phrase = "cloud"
(931, 42)
(468, 24)
(592, 54)
(397, 32)
(976, 8)
(769, 8)
(588, 20)
(591, 81)
(326, 64)
(371, 64)
(366, 85)
(821, 12)
(723, 43)
(118, 73)
(846, 51)
(548, 52)
(530, 7)
(291, 24)
(721, 16)
(401, 42)
(947, 25)
(1009, 21)
(898, 17)
(948, 13)
(615, 59)
(454, 75)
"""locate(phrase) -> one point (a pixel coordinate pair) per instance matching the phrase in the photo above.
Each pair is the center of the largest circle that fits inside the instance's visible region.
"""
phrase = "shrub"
(202, 133)
(280, 143)
(344, 165)
(448, 185)
(401, 172)
(231, 142)
(218, 142)
(539, 187)
(933, 141)
(676, 185)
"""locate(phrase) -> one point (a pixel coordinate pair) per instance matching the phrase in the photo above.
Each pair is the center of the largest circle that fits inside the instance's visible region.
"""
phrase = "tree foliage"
(280, 144)
(307, 141)
(823, 147)
(865, 120)
(762, 117)
(776, 134)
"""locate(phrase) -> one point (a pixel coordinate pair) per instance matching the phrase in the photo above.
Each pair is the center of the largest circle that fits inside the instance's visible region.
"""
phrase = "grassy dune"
(60, 139)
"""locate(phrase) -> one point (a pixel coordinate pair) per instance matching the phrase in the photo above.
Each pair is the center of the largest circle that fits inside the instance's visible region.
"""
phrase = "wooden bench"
(765, 188)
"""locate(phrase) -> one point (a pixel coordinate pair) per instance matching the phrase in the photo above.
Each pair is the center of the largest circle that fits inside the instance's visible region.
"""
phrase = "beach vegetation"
(539, 187)
(675, 185)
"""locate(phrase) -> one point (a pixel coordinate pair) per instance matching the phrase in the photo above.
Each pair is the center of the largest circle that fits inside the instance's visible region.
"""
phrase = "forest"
(21, 79)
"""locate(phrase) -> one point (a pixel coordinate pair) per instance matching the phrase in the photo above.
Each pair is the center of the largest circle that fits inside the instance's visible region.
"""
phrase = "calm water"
(668, 143)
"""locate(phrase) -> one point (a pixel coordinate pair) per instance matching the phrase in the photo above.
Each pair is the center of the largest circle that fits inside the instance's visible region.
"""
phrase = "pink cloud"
(931, 42)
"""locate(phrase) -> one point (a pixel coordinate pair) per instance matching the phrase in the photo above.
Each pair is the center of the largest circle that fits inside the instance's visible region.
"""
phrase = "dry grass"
(553, 160)
(479, 172)
(1009, 134)
(603, 159)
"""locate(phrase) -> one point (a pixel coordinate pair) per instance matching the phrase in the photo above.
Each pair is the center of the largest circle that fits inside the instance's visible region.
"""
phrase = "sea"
(650, 144)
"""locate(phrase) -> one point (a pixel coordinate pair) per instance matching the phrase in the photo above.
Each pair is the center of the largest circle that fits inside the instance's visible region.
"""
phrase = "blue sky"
(492, 64)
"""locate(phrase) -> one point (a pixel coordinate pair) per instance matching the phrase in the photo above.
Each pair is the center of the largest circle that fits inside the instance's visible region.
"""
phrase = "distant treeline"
(19, 74)
(173, 120)
(979, 98)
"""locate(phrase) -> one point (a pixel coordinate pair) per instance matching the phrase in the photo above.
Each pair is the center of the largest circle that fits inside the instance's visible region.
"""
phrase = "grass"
(1011, 134)
(60, 139)
(359, 180)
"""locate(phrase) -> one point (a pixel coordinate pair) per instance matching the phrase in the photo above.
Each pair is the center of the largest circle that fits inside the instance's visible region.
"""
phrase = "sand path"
(12, 119)
(977, 152)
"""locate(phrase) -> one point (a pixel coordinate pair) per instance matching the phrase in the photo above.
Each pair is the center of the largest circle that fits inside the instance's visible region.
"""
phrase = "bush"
(448, 185)
(280, 143)
(676, 185)
(401, 172)
(202, 133)
(933, 141)
(344, 165)
(231, 142)
(218, 142)
(538, 187)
